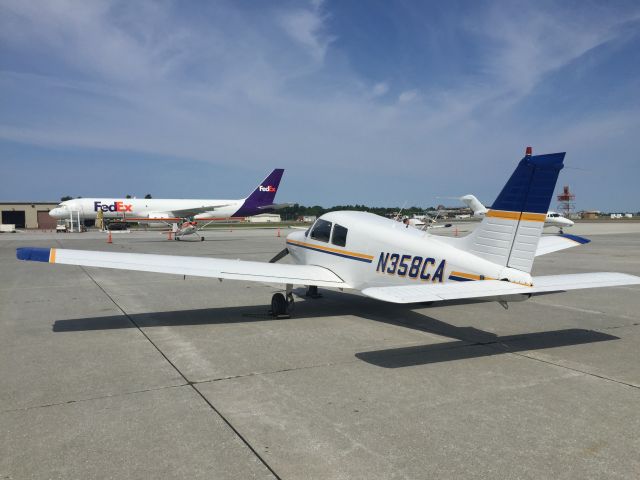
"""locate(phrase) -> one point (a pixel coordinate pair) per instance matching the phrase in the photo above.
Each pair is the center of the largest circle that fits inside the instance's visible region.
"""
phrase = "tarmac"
(113, 374)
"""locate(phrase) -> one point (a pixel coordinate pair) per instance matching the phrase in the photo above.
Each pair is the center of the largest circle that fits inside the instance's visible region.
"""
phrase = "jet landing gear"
(282, 305)
(312, 291)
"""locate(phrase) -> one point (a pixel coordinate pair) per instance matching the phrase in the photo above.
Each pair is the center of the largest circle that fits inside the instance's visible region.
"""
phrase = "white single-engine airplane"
(184, 214)
(385, 260)
(553, 219)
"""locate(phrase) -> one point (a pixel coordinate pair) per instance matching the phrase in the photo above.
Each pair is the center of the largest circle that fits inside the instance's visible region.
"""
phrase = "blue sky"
(371, 102)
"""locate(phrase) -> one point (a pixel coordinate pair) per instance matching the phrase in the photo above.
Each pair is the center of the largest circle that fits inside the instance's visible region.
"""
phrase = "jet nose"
(56, 212)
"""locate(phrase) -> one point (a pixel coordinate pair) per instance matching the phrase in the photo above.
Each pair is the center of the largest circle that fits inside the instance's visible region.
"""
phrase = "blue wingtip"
(33, 254)
(575, 238)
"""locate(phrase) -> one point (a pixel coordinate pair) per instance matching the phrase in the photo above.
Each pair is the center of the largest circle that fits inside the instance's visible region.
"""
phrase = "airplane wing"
(275, 206)
(192, 266)
(496, 288)
(190, 212)
(553, 243)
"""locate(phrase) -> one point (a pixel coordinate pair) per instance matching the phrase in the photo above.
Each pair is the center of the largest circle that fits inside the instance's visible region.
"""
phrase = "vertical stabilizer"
(509, 233)
(475, 205)
(263, 196)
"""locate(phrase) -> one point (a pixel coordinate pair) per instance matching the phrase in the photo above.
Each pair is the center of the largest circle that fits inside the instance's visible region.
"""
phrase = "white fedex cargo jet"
(552, 219)
(134, 209)
(385, 260)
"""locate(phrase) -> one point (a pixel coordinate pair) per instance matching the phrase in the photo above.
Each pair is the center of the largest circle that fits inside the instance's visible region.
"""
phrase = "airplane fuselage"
(382, 252)
(141, 208)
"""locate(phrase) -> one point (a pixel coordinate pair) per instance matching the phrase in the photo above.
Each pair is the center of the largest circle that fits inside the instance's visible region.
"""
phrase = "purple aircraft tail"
(263, 196)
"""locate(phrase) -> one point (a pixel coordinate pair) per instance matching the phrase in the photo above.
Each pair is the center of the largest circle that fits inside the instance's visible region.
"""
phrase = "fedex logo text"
(114, 207)
(268, 188)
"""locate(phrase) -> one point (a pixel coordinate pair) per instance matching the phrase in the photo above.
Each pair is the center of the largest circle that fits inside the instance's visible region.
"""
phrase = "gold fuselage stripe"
(529, 217)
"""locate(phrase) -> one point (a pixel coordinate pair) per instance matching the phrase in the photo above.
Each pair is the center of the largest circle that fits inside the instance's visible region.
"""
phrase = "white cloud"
(408, 96)
(230, 91)
(380, 89)
(305, 26)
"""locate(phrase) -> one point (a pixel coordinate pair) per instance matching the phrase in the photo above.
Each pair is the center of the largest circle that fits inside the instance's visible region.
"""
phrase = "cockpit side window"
(321, 230)
(339, 237)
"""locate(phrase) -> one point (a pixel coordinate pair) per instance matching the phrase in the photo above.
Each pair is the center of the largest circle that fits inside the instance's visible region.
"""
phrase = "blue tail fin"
(531, 185)
(262, 196)
(511, 229)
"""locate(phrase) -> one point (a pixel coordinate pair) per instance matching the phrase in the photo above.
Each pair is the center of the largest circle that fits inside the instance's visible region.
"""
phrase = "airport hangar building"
(28, 214)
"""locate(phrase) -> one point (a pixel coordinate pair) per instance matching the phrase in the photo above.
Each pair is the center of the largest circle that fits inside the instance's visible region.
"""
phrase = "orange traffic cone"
(109, 238)
(169, 235)
(456, 232)
(278, 233)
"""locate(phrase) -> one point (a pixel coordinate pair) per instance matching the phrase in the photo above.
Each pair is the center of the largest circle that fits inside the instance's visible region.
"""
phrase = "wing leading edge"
(496, 288)
(192, 266)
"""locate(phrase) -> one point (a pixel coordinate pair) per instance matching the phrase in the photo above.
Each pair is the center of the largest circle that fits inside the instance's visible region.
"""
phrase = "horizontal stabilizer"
(553, 243)
(495, 288)
(192, 266)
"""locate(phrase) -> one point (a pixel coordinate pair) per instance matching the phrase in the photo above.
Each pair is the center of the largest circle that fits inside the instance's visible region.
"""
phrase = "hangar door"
(46, 221)
(13, 217)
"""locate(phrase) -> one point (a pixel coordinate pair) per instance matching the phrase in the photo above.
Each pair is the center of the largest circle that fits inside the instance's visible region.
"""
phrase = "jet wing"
(190, 212)
(193, 266)
(496, 288)
(553, 243)
(275, 206)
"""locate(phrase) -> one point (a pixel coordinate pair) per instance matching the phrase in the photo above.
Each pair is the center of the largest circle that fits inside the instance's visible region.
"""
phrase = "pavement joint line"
(619, 326)
(577, 370)
(584, 310)
(101, 397)
(188, 382)
(272, 372)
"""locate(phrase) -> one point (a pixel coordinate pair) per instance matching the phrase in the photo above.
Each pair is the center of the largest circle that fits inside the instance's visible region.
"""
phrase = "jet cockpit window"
(321, 231)
(339, 237)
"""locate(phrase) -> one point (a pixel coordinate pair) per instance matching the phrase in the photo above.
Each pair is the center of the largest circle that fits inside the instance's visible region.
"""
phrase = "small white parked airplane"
(175, 211)
(385, 260)
(552, 219)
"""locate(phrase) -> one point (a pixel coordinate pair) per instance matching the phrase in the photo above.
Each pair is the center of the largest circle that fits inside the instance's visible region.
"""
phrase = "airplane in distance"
(384, 260)
(184, 213)
(553, 219)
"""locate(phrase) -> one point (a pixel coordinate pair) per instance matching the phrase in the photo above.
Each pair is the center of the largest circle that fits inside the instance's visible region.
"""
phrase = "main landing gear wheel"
(280, 305)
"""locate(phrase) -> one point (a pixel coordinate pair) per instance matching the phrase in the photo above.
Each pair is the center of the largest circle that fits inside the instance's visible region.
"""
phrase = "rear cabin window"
(339, 236)
(321, 231)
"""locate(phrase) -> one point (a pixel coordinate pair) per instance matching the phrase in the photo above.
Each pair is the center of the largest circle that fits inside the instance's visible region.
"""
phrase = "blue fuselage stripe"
(460, 279)
(331, 253)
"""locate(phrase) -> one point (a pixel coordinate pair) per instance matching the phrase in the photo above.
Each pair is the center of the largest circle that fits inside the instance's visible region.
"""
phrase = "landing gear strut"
(312, 291)
(282, 304)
